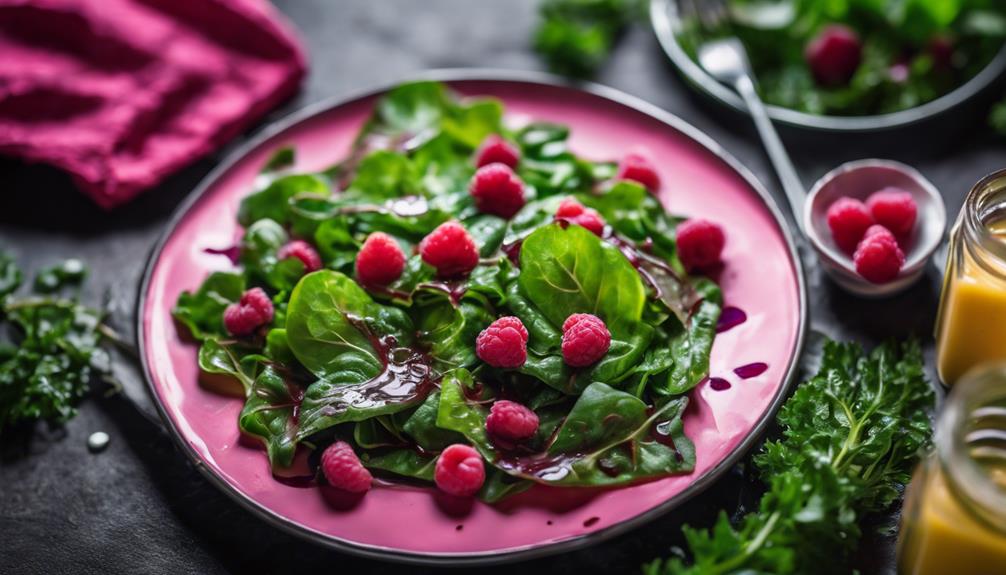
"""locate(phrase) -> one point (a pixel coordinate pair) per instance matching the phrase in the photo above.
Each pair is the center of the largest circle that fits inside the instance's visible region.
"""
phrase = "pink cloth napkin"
(121, 93)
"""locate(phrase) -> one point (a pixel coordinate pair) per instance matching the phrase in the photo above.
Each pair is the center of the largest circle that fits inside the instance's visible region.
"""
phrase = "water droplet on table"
(98, 441)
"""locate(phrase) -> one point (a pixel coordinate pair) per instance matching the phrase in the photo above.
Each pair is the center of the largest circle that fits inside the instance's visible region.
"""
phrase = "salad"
(464, 304)
(857, 57)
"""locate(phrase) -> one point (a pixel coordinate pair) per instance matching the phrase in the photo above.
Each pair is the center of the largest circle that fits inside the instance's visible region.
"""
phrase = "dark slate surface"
(140, 507)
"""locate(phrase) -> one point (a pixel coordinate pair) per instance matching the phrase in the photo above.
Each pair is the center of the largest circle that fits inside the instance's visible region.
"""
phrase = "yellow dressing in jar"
(971, 328)
(954, 518)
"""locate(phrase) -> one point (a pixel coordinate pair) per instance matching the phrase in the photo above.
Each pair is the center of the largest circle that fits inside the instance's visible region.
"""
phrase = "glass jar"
(971, 326)
(954, 518)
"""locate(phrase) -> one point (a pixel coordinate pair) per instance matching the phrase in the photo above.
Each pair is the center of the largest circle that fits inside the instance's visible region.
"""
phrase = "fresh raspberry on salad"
(895, 209)
(494, 149)
(450, 249)
(848, 219)
(574, 212)
(833, 55)
(511, 420)
(638, 168)
(380, 261)
(459, 471)
(343, 470)
(497, 190)
(878, 257)
(503, 343)
(700, 243)
(304, 252)
(585, 339)
(251, 312)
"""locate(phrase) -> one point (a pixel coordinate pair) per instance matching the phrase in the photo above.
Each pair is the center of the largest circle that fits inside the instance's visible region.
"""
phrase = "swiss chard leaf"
(268, 414)
(692, 346)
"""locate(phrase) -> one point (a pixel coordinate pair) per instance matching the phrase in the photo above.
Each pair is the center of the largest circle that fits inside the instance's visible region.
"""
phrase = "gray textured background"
(140, 507)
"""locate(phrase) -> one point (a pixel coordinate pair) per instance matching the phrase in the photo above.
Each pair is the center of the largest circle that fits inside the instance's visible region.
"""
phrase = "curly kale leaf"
(850, 436)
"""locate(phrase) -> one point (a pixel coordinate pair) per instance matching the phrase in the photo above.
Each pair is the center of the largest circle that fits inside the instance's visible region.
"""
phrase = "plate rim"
(663, 26)
(531, 551)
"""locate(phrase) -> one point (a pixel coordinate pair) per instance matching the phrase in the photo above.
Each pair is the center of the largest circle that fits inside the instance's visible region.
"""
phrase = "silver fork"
(727, 61)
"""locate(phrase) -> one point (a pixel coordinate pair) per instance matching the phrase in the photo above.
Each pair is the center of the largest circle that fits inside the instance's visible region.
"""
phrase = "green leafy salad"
(859, 57)
(336, 344)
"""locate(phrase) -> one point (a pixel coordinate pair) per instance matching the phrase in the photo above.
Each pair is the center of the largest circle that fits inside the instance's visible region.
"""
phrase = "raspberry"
(638, 168)
(304, 252)
(503, 343)
(511, 420)
(497, 190)
(342, 468)
(941, 50)
(495, 149)
(459, 471)
(252, 311)
(574, 212)
(700, 243)
(585, 339)
(380, 260)
(848, 220)
(450, 249)
(878, 257)
(894, 209)
(834, 55)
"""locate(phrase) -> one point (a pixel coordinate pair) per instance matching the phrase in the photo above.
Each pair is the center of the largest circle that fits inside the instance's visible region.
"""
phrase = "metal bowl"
(667, 23)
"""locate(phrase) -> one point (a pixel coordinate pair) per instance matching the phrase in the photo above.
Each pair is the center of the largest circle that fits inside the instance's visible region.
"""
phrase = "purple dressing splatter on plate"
(751, 370)
(730, 318)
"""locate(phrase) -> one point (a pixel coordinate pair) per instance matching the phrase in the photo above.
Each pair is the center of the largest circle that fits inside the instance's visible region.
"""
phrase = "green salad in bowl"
(463, 304)
(856, 57)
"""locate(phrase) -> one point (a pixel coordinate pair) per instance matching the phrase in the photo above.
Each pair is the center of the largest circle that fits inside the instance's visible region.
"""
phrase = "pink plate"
(762, 277)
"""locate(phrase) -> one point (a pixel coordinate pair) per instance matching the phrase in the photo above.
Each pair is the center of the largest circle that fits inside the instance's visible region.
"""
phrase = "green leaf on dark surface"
(54, 355)
(10, 275)
(51, 279)
(202, 312)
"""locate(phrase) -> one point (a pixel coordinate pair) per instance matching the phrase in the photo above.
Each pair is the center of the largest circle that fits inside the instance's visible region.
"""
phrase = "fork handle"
(791, 184)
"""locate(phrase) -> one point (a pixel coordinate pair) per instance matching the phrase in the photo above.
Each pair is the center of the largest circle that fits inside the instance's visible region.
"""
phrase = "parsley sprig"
(50, 348)
(850, 436)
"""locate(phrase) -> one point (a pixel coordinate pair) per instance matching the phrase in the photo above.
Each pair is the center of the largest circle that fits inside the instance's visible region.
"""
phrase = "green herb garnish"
(850, 437)
(54, 350)
(576, 36)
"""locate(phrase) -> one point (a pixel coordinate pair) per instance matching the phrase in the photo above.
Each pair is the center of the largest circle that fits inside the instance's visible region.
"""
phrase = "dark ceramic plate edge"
(531, 551)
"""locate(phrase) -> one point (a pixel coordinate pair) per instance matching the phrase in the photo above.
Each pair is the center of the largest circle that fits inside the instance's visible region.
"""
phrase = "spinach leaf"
(333, 326)
(218, 358)
(268, 414)
(382, 175)
(404, 462)
(259, 248)
(411, 108)
(692, 346)
(449, 331)
(203, 312)
(422, 426)
(567, 271)
(273, 202)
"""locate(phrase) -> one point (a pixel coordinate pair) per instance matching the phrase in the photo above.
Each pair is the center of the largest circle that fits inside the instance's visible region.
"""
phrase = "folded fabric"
(121, 93)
